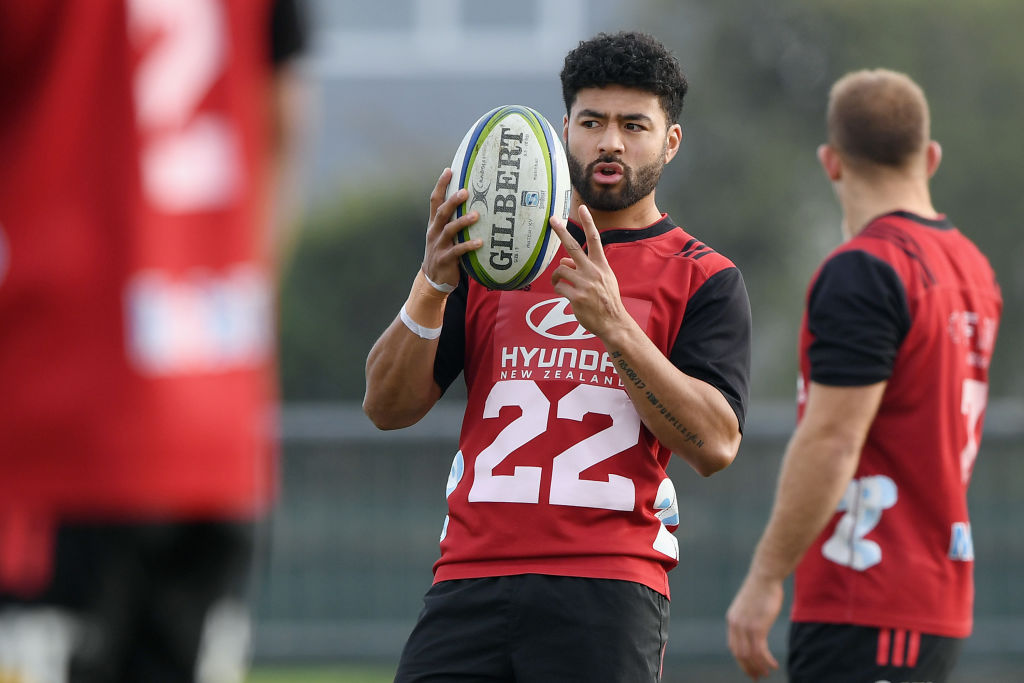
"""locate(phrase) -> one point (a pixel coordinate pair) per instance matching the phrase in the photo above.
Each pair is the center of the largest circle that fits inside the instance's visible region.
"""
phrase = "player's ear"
(830, 162)
(673, 140)
(933, 157)
(565, 128)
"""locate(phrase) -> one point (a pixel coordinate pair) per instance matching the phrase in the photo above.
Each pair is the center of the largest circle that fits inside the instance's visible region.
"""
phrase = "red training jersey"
(135, 293)
(556, 473)
(914, 302)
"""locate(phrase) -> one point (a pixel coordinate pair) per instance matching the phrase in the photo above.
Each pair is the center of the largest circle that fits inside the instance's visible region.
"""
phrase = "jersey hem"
(944, 629)
(624, 569)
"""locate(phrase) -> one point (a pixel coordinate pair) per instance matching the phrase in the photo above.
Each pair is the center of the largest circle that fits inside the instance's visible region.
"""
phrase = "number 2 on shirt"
(866, 498)
(191, 154)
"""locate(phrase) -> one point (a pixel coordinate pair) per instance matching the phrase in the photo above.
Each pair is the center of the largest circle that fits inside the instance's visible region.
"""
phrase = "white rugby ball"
(513, 164)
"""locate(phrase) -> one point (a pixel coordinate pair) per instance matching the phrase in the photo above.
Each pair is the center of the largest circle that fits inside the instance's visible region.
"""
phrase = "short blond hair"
(878, 116)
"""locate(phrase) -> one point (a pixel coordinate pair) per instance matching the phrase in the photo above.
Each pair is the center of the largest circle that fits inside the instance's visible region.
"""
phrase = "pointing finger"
(594, 247)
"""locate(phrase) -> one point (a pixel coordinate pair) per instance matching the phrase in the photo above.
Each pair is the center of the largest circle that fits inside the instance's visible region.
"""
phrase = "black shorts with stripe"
(845, 653)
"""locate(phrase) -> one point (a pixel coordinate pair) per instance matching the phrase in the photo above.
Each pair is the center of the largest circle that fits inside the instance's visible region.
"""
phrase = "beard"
(634, 186)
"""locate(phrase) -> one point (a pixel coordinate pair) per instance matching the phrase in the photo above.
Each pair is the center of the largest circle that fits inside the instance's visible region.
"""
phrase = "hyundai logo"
(554, 320)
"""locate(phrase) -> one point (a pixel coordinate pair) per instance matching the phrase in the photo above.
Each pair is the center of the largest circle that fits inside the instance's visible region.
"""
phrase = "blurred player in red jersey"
(898, 334)
(140, 141)
(632, 346)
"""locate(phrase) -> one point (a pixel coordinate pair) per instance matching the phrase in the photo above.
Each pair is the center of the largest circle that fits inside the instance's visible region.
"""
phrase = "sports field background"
(322, 674)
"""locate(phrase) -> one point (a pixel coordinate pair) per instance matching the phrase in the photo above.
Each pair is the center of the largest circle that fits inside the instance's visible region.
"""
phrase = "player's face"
(618, 142)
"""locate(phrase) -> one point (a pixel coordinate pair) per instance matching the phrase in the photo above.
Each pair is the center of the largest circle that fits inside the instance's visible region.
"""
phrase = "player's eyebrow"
(604, 116)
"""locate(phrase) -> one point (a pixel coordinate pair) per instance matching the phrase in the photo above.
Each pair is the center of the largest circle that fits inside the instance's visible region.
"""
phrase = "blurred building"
(400, 81)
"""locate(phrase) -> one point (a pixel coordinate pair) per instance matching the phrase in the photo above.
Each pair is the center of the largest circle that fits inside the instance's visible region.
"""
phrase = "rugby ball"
(513, 164)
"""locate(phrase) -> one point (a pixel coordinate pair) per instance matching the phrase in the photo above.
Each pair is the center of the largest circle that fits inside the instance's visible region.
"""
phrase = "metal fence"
(350, 545)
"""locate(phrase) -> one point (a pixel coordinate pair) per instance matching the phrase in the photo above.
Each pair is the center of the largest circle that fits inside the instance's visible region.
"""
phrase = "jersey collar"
(942, 222)
(619, 235)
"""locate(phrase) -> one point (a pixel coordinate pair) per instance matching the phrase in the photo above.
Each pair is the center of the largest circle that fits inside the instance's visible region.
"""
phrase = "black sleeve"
(713, 344)
(451, 345)
(858, 316)
(287, 30)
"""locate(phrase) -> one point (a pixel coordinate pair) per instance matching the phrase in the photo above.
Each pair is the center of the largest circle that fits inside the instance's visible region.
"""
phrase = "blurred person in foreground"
(895, 347)
(140, 143)
(633, 345)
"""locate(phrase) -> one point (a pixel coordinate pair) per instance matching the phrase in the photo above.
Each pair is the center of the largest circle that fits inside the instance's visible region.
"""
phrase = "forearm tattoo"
(630, 375)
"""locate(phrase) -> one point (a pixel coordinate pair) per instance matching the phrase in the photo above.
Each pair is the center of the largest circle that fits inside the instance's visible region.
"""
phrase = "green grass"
(326, 674)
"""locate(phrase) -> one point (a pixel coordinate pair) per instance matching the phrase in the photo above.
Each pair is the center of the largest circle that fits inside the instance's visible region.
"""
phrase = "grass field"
(333, 674)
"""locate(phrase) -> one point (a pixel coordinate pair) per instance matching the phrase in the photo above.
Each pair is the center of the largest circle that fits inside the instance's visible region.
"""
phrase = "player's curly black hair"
(630, 59)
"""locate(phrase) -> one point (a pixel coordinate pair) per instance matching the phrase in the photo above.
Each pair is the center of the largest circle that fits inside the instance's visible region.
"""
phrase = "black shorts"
(133, 602)
(843, 653)
(534, 628)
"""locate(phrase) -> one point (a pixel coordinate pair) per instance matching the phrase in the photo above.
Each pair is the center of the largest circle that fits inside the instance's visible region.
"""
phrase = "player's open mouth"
(607, 174)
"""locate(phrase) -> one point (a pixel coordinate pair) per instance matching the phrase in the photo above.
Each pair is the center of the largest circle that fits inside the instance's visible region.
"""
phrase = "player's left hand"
(586, 279)
(750, 617)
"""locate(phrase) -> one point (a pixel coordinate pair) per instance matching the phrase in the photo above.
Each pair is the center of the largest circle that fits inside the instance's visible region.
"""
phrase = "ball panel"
(463, 157)
(559, 193)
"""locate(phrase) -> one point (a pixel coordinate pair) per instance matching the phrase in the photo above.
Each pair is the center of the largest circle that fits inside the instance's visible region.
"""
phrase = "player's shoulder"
(685, 248)
(665, 248)
(919, 246)
(881, 240)
(903, 234)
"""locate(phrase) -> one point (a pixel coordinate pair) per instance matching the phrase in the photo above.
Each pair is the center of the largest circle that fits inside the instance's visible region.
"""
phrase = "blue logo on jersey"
(455, 474)
(961, 545)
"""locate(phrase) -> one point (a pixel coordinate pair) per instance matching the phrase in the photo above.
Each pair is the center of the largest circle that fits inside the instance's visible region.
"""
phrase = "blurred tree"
(347, 280)
(749, 182)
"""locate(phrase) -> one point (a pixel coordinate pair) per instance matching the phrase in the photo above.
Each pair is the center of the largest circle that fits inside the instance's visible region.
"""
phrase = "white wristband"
(442, 287)
(416, 328)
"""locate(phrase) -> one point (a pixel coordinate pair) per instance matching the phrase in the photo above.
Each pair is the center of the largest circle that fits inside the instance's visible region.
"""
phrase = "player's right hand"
(441, 253)
(750, 617)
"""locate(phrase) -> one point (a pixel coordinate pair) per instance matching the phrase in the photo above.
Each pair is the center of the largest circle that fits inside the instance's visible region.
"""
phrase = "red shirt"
(913, 302)
(556, 474)
(135, 294)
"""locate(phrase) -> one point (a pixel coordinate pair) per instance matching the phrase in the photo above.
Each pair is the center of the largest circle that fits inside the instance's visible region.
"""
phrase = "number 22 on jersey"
(523, 485)
(567, 487)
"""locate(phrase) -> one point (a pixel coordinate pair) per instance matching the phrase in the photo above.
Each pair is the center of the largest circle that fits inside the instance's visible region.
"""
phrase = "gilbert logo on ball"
(513, 164)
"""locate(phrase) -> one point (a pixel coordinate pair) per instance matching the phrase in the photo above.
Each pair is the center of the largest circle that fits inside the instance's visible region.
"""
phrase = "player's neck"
(640, 215)
(863, 201)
